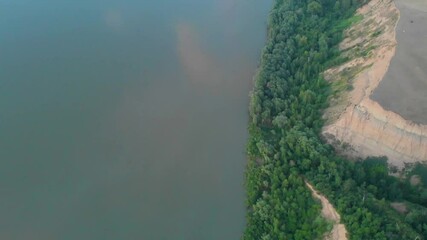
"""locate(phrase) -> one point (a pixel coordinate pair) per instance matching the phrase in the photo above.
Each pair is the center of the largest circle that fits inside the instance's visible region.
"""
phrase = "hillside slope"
(357, 125)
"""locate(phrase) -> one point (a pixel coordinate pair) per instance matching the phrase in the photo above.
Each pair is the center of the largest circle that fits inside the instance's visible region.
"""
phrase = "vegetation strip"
(284, 146)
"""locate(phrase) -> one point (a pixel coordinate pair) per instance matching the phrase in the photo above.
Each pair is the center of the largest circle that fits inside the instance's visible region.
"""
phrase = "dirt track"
(328, 211)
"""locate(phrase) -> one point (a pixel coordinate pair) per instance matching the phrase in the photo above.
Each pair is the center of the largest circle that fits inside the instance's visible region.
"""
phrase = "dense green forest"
(285, 149)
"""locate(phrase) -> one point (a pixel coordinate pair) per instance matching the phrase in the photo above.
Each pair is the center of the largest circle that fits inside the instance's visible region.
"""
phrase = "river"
(403, 89)
(125, 119)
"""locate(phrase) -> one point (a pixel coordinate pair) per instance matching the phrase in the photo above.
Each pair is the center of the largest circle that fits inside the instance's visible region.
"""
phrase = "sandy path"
(328, 211)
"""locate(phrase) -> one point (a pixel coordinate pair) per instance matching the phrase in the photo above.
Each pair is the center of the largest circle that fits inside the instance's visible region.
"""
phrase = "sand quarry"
(359, 121)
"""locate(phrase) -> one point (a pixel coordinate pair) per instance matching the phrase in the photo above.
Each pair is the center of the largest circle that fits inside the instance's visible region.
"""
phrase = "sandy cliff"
(356, 125)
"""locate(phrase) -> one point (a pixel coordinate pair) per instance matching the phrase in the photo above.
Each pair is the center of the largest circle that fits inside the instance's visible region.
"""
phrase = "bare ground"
(356, 125)
(328, 212)
(399, 207)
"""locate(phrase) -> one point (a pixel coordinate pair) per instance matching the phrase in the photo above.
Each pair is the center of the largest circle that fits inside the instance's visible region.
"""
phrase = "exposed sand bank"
(366, 128)
(328, 212)
(404, 87)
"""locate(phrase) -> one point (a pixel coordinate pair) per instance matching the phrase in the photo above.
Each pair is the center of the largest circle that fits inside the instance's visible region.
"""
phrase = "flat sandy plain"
(404, 87)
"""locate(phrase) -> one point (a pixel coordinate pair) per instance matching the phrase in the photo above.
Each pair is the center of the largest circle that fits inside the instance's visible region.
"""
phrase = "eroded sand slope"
(365, 127)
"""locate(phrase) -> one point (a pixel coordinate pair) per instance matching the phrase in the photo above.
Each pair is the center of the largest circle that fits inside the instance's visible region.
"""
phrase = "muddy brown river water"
(404, 88)
(125, 119)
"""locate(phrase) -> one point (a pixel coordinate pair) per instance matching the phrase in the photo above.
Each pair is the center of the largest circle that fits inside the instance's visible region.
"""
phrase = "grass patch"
(345, 79)
(376, 33)
(344, 24)
(367, 51)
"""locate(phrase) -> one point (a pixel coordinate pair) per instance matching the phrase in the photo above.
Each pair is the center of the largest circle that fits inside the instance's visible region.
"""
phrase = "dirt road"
(328, 211)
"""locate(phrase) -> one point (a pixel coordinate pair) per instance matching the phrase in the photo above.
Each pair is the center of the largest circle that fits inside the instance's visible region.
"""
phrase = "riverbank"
(357, 125)
(284, 146)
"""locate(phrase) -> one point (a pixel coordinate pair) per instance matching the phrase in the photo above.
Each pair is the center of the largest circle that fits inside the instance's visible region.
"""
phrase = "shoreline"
(407, 75)
(365, 125)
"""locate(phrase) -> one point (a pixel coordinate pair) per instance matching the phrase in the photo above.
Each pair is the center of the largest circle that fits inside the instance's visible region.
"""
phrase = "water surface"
(404, 87)
(125, 119)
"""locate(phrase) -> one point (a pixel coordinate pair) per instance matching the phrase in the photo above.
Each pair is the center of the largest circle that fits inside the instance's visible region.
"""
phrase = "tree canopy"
(284, 146)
